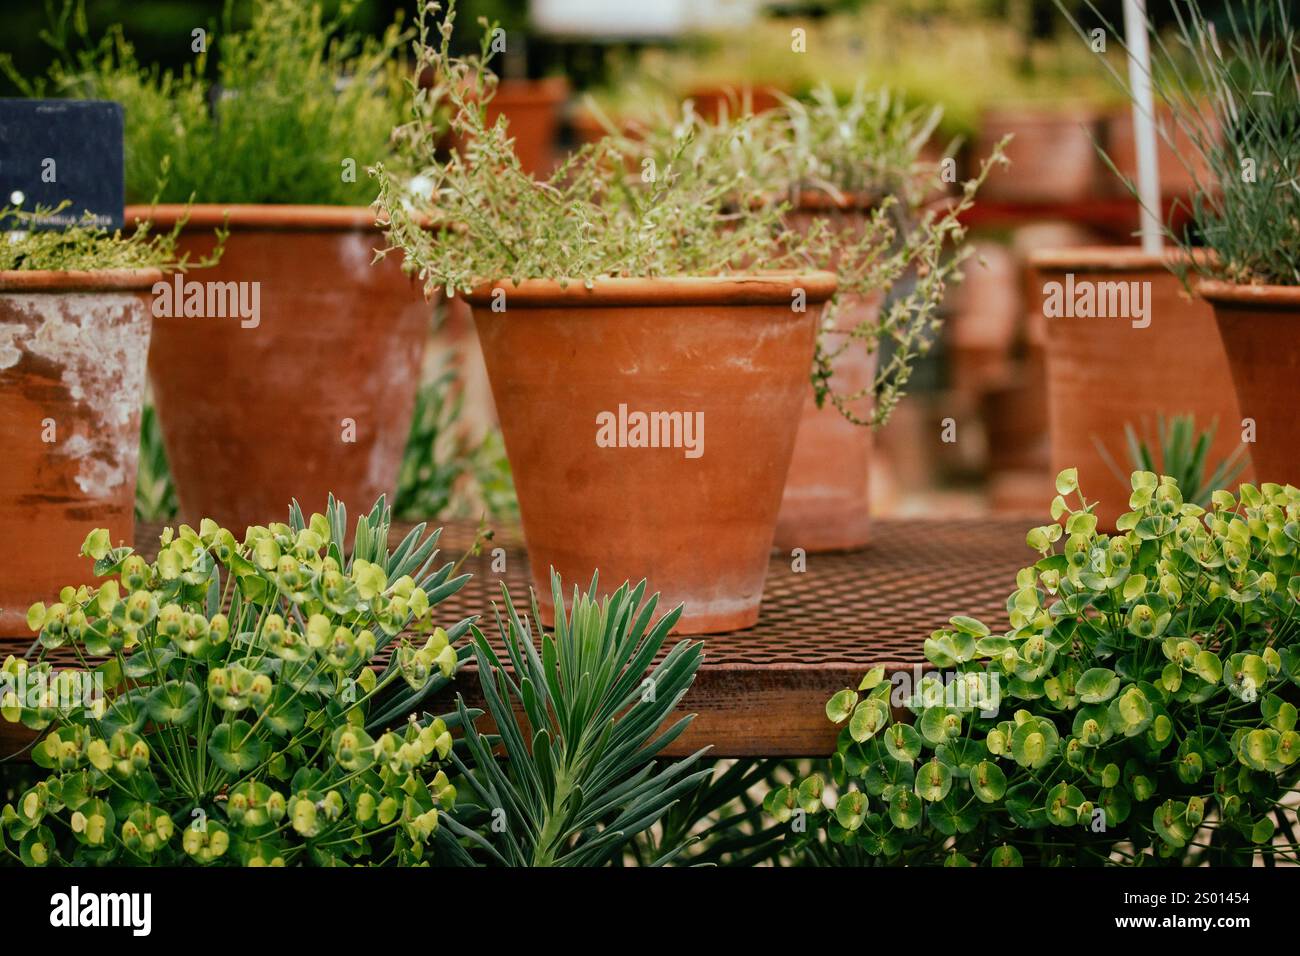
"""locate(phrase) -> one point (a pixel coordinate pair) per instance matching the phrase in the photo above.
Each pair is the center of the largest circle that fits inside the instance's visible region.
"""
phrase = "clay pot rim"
(1262, 296)
(257, 216)
(1111, 258)
(78, 280)
(753, 289)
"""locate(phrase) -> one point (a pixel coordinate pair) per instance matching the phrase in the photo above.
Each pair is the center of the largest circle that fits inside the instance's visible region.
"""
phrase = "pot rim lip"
(1098, 258)
(79, 280)
(759, 288)
(258, 216)
(1237, 293)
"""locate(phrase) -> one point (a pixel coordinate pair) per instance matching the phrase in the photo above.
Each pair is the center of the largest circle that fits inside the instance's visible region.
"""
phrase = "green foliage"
(245, 720)
(1180, 451)
(444, 471)
(1233, 86)
(86, 246)
(1139, 709)
(577, 713)
(287, 103)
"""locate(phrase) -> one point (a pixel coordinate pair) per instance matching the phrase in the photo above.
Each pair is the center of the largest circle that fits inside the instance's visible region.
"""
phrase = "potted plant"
(853, 166)
(1108, 310)
(1245, 212)
(634, 356)
(310, 388)
(74, 336)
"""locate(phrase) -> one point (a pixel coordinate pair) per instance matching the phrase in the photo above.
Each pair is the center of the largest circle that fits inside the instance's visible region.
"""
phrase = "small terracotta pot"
(532, 110)
(317, 396)
(1053, 156)
(568, 365)
(1103, 373)
(826, 504)
(1258, 325)
(73, 347)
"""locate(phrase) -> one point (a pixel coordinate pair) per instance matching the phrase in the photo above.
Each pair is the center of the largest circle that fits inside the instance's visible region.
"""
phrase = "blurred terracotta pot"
(1105, 372)
(1258, 325)
(826, 504)
(73, 348)
(1053, 156)
(712, 101)
(649, 425)
(313, 396)
(1181, 164)
(532, 110)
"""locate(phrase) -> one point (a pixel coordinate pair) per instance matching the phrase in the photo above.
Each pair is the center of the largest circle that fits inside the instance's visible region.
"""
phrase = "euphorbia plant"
(1140, 707)
(229, 709)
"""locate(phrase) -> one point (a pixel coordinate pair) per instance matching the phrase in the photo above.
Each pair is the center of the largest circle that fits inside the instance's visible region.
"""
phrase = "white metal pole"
(1144, 123)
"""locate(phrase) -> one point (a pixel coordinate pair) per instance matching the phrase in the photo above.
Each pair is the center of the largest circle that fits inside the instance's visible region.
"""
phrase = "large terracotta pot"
(317, 396)
(73, 347)
(1053, 156)
(1103, 373)
(1258, 325)
(567, 363)
(532, 110)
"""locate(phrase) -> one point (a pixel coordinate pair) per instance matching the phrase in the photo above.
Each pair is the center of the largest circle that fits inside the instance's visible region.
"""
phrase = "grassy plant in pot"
(74, 336)
(293, 373)
(1247, 213)
(648, 382)
(1109, 310)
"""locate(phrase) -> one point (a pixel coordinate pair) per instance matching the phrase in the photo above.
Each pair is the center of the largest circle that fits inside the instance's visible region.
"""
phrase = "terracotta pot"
(1053, 156)
(710, 101)
(532, 110)
(1181, 165)
(73, 347)
(1258, 327)
(1104, 372)
(566, 363)
(317, 396)
(827, 502)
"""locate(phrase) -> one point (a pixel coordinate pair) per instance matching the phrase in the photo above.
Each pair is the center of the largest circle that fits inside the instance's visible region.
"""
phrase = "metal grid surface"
(761, 691)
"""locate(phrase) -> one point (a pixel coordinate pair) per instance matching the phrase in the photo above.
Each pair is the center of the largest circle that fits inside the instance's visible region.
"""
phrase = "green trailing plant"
(577, 714)
(231, 705)
(1140, 708)
(665, 204)
(446, 472)
(85, 246)
(1180, 451)
(1232, 85)
(290, 109)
